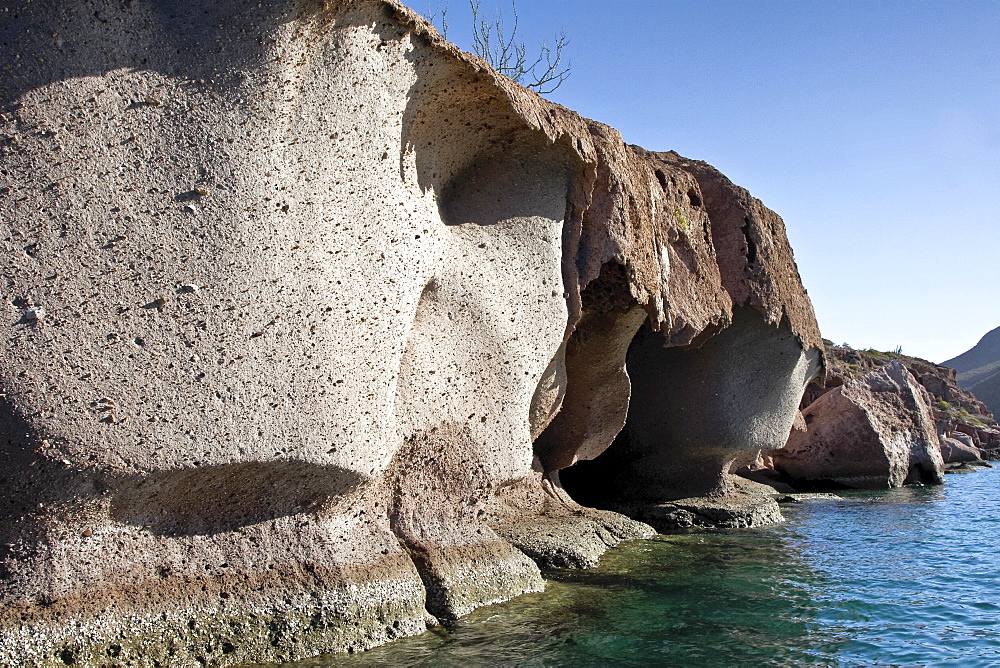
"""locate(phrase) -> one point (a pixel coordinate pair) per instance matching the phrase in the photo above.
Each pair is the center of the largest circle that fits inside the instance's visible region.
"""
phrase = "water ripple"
(902, 577)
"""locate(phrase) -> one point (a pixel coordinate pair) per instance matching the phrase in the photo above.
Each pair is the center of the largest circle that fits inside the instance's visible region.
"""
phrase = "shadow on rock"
(213, 499)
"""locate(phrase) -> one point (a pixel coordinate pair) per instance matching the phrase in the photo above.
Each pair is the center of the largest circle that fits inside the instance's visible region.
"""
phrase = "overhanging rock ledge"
(310, 316)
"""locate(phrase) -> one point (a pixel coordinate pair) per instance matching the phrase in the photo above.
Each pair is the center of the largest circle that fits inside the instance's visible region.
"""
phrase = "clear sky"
(872, 127)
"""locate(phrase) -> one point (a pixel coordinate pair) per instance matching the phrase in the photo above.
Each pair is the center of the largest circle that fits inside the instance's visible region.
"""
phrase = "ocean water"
(901, 577)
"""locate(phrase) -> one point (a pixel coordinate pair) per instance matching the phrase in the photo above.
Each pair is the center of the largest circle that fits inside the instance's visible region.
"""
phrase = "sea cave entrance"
(689, 412)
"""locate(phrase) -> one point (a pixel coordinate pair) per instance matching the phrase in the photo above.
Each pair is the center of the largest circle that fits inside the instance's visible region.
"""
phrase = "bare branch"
(441, 11)
(553, 74)
(508, 56)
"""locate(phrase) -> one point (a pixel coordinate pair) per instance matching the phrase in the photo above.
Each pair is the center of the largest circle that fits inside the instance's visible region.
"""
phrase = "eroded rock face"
(694, 410)
(873, 432)
(306, 312)
(703, 392)
(954, 409)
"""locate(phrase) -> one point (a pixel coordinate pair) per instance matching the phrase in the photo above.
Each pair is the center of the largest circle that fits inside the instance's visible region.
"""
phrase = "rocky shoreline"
(877, 420)
(319, 331)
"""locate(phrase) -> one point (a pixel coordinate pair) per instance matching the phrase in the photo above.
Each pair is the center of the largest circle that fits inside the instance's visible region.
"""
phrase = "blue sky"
(872, 127)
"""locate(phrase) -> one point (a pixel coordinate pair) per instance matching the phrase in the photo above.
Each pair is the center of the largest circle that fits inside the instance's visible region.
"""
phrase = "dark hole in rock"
(751, 244)
(693, 409)
(213, 499)
(662, 178)
(802, 485)
(694, 198)
(920, 474)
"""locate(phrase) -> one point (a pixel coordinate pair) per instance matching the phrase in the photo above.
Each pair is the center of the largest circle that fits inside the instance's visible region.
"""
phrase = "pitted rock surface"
(305, 312)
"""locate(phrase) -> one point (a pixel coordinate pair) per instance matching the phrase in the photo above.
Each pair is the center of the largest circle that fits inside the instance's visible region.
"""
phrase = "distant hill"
(979, 370)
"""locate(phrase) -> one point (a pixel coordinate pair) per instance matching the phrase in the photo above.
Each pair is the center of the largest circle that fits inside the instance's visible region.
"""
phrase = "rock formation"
(734, 389)
(868, 421)
(979, 370)
(958, 448)
(873, 432)
(955, 410)
(307, 312)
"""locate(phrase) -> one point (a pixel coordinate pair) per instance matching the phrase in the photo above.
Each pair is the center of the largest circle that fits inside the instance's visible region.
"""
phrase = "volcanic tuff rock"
(873, 432)
(695, 408)
(306, 311)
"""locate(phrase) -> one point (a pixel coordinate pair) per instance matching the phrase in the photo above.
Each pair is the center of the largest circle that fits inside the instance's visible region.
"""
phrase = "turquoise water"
(900, 577)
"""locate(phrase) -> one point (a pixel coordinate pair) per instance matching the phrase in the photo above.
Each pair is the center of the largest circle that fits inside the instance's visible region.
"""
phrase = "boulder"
(955, 408)
(957, 447)
(969, 431)
(872, 432)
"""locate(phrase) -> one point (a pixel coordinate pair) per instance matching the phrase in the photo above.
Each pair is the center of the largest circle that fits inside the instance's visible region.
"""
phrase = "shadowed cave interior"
(692, 411)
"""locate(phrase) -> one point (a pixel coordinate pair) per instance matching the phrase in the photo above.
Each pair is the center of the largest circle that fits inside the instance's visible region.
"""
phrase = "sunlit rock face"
(305, 310)
(876, 431)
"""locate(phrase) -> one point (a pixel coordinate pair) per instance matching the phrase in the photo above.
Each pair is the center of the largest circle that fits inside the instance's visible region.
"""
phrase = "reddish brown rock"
(754, 256)
(958, 447)
(954, 408)
(844, 363)
(875, 431)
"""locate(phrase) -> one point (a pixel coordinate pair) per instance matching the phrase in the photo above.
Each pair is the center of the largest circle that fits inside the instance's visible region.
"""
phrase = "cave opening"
(692, 411)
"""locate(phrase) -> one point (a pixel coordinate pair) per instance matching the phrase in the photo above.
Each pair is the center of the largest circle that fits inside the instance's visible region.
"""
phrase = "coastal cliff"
(309, 315)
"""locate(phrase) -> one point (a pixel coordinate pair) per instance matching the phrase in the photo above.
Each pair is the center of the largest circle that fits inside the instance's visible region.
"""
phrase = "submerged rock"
(733, 510)
(873, 432)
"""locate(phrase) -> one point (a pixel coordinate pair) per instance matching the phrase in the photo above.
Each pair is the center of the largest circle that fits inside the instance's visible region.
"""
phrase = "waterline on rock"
(897, 576)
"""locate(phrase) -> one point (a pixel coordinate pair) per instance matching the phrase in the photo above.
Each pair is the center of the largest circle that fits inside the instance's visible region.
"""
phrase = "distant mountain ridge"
(979, 370)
